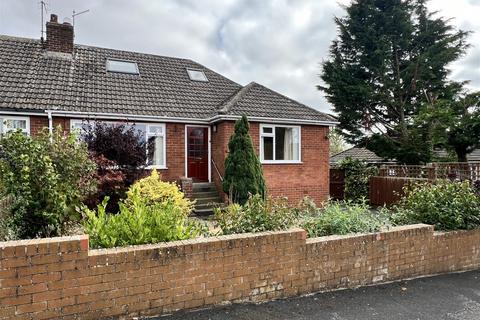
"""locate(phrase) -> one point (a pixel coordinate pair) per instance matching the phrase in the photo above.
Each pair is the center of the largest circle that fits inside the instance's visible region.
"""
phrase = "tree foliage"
(337, 143)
(455, 123)
(357, 178)
(388, 63)
(46, 177)
(243, 171)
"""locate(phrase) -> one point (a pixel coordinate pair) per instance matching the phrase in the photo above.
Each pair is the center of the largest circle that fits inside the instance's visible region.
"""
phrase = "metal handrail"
(216, 169)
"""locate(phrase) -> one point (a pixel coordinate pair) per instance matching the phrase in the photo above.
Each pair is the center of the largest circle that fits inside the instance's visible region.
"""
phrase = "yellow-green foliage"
(154, 190)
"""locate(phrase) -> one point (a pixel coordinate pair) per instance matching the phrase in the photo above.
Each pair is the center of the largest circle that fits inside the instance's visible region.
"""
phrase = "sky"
(277, 43)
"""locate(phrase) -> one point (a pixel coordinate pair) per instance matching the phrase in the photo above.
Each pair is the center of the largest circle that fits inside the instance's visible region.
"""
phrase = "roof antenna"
(74, 14)
(43, 7)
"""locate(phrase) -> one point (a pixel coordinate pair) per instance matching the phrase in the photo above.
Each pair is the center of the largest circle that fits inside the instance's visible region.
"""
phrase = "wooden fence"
(387, 188)
(337, 184)
(459, 171)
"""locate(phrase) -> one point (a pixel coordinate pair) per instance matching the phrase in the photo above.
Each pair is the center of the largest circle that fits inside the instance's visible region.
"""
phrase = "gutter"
(146, 118)
(211, 120)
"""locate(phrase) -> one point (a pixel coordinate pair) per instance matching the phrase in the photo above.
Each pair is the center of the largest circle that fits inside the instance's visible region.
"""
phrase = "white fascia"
(211, 120)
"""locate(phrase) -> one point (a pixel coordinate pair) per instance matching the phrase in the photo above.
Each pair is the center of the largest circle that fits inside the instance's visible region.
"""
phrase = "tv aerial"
(74, 14)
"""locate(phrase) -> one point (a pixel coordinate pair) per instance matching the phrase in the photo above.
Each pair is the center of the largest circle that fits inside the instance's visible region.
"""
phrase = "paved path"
(446, 297)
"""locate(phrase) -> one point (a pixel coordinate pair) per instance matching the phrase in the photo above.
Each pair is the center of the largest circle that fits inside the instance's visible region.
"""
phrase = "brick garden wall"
(309, 178)
(61, 278)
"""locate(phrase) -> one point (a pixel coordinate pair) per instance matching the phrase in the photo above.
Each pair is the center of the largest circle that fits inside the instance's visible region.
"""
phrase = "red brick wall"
(175, 152)
(61, 278)
(38, 123)
(295, 181)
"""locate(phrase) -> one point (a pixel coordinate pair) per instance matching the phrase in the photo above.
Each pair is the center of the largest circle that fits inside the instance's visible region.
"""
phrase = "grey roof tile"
(33, 79)
(358, 153)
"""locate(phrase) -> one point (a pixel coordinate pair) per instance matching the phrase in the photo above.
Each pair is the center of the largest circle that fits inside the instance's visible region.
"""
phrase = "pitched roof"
(359, 154)
(33, 79)
(474, 156)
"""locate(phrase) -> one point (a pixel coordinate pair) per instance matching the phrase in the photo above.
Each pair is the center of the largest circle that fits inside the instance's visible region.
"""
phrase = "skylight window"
(197, 75)
(122, 66)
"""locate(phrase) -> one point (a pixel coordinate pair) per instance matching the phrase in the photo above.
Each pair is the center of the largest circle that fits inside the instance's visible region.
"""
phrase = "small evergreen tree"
(243, 171)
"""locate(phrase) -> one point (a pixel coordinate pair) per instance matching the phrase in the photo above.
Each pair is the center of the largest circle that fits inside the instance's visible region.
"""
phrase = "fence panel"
(337, 184)
(388, 190)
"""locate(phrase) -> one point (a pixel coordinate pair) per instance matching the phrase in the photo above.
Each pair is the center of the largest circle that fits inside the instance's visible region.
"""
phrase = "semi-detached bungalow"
(187, 109)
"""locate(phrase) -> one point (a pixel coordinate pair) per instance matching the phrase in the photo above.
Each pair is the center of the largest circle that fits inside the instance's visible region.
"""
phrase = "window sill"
(157, 167)
(280, 162)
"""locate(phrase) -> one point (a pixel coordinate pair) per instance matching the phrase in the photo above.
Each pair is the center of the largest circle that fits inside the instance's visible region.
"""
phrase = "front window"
(15, 123)
(156, 140)
(279, 143)
(153, 133)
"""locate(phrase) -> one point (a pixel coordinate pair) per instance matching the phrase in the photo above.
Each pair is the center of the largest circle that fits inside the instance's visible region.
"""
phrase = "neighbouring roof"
(359, 154)
(33, 80)
(370, 157)
(474, 156)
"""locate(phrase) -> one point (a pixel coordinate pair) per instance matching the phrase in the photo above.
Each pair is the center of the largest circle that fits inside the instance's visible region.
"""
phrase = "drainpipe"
(50, 125)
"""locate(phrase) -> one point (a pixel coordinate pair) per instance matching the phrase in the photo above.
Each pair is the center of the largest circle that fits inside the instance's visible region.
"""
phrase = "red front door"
(197, 153)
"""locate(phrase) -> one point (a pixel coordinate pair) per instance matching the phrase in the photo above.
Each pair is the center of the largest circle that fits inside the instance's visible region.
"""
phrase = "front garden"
(54, 185)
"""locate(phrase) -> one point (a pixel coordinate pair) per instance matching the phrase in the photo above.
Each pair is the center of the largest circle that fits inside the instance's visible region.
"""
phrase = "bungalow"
(187, 109)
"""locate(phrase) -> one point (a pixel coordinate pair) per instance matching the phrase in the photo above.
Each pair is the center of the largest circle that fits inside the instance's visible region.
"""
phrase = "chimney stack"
(59, 36)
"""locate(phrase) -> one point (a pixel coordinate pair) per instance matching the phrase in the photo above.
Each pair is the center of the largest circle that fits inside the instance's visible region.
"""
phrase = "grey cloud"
(278, 43)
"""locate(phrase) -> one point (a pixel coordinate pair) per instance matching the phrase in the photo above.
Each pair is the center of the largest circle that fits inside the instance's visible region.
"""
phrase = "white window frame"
(147, 135)
(164, 135)
(137, 72)
(273, 126)
(196, 70)
(27, 122)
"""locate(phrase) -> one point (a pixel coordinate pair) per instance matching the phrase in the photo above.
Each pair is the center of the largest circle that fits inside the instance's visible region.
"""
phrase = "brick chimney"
(59, 36)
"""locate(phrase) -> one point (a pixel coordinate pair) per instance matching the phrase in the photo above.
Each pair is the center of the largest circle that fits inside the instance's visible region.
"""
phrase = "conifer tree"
(243, 171)
(390, 62)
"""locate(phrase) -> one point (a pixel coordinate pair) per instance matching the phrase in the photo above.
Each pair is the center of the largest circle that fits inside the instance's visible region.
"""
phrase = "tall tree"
(243, 171)
(388, 62)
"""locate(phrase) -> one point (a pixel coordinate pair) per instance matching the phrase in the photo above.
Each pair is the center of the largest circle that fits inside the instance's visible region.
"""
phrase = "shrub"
(357, 176)
(139, 222)
(444, 204)
(256, 215)
(111, 182)
(154, 190)
(342, 217)
(120, 151)
(243, 171)
(46, 177)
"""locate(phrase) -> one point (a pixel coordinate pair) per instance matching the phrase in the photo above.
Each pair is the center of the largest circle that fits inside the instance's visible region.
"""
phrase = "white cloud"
(278, 43)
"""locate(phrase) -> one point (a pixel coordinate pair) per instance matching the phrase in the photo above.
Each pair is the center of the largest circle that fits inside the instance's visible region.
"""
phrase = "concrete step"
(207, 209)
(204, 187)
(208, 200)
(206, 194)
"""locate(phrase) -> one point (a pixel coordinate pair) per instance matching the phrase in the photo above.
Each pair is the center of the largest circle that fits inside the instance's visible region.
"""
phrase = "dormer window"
(197, 75)
(122, 66)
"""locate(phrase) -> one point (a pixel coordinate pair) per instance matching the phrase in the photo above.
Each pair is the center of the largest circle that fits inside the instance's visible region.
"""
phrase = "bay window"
(153, 133)
(12, 123)
(279, 144)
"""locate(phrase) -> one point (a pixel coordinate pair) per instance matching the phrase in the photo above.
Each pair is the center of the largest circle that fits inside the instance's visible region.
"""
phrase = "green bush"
(444, 204)
(46, 178)
(154, 190)
(342, 217)
(243, 171)
(139, 222)
(256, 215)
(357, 177)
